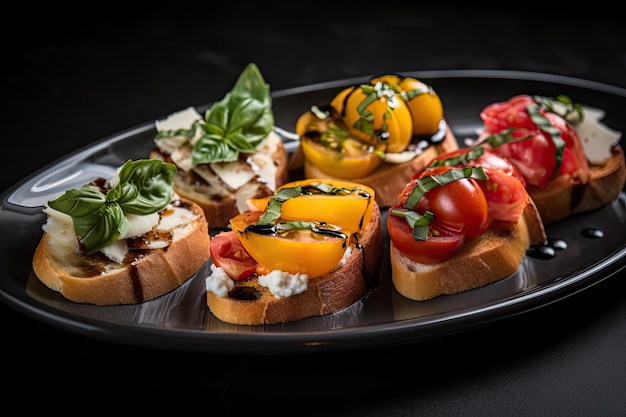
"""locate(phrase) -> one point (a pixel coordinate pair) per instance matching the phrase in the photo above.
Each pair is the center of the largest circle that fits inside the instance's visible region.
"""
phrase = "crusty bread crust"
(218, 210)
(493, 256)
(97, 280)
(565, 196)
(389, 179)
(327, 294)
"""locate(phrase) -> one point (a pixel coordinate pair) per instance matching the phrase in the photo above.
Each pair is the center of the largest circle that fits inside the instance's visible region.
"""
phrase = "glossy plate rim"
(371, 336)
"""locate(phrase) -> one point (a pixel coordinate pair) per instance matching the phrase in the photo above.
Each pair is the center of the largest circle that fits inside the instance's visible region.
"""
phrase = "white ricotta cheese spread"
(283, 284)
(597, 138)
(219, 283)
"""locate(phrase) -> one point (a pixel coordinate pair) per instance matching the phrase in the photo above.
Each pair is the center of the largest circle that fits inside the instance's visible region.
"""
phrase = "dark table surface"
(80, 80)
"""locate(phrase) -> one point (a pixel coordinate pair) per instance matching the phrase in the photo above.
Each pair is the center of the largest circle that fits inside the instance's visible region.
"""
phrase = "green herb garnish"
(144, 187)
(420, 222)
(236, 124)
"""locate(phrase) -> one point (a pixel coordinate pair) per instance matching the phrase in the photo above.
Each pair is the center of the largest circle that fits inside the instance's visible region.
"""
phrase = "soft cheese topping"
(597, 138)
(173, 220)
(229, 148)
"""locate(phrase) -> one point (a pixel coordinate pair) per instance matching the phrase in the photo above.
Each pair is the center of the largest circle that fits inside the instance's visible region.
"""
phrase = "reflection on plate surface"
(180, 320)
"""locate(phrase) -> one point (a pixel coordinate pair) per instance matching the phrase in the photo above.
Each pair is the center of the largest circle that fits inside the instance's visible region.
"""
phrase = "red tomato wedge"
(228, 253)
(505, 189)
(537, 156)
(436, 248)
(460, 211)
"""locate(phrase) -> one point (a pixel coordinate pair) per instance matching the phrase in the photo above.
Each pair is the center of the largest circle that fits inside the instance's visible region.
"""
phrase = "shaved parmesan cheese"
(183, 119)
(176, 217)
(597, 138)
(234, 174)
(116, 251)
(140, 224)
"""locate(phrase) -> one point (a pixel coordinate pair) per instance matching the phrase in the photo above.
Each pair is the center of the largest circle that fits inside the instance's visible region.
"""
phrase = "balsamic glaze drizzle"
(549, 248)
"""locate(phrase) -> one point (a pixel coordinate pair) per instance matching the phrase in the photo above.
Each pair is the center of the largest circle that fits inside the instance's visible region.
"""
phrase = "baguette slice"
(390, 178)
(220, 207)
(95, 279)
(565, 196)
(326, 294)
(495, 255)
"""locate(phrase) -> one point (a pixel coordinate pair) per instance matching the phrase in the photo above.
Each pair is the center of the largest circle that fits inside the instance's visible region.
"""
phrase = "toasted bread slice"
(144, 274)
(495, 255)
(565, 196)
(250, 303)
(219, 202)
(390, 178)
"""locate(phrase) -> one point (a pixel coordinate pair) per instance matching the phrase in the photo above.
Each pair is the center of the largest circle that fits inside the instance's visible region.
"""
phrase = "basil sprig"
(566, 108)
(428, 182)
(463, 159)
(274, 206)
(365, 122)
(546, 126)
(144, 187)
(420, 222)
(237, 123)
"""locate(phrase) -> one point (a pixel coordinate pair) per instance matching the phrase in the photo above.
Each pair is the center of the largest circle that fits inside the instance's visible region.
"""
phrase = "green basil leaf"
(546, 126)
(101, 228)
(274, 206)
(429, 182)
(505, 136)
(144, 187)
(79, 202)
(241, 120)
(210, 149)
(419, 223)
(464, 159)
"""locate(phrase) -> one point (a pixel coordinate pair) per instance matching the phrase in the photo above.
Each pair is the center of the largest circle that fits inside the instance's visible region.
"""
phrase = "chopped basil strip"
(565, 107)
(365, 123)
(418, 222)
(411, 94)
(144, 187)
(429, 182)
(472, 155)
(504, 136)
(547, 127)
(236, 124)
(275, 204)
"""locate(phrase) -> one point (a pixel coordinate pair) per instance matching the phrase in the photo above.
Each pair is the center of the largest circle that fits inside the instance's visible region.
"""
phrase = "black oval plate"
(181, 320)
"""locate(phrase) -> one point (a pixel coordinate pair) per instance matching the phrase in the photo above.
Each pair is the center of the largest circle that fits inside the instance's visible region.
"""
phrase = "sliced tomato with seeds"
(228, 253)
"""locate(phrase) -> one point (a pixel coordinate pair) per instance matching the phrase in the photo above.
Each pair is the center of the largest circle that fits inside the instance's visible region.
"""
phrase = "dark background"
(74, 78)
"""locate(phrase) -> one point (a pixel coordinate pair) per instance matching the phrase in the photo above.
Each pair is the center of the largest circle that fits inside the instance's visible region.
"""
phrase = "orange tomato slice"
(298, 251)
(351, 208)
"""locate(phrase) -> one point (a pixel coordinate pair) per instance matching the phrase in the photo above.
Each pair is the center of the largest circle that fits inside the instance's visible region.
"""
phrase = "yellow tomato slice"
(352, 162)
(385, 119)
(338, 102)
(391, 79)
(299, 251)
(350, 208)
(424, 104)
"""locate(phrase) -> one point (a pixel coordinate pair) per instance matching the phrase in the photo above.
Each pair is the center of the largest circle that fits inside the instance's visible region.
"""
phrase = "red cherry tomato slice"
(228, 253)
(506, 188)
(511, 113)
(432, 250)
(460, 205)
(536, 157)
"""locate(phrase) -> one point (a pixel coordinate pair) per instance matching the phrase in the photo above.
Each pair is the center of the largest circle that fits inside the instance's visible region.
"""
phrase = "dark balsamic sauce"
(244, 293)
(551, 246)
(592, 233)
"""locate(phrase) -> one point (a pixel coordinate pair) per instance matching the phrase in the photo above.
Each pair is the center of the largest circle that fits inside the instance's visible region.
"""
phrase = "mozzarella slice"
(597, 138)
(182, 119)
